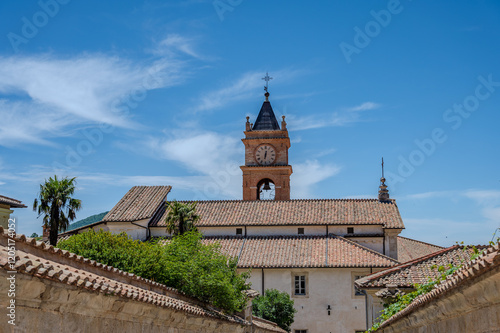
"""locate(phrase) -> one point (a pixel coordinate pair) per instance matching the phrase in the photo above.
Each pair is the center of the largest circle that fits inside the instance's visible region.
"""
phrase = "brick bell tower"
(266, 173)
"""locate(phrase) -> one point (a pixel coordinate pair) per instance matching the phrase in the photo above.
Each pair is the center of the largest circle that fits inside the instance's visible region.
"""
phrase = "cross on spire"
(267, 78)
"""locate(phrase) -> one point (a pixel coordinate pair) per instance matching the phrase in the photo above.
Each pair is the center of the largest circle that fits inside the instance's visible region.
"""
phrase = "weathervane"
(267, 78)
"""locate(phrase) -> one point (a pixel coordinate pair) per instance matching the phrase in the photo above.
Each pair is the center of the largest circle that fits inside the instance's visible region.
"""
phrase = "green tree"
(182, 262)
(181, 217)
(56, 204)
(275, 306)
(34, 235)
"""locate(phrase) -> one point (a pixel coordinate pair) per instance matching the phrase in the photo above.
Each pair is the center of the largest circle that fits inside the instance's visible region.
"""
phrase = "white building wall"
(341, 230)
(309, 230)
(373, 243)
(326, 286)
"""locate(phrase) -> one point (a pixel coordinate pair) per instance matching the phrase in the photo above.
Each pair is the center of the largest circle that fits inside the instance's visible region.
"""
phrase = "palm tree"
(181, 217)
(56, 204)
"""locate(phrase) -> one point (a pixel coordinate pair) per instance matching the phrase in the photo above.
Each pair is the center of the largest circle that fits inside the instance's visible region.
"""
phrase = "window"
(350, 230)
(301, 231)
(300, 285)
(239, 231)
(358, 292)
(300, 331)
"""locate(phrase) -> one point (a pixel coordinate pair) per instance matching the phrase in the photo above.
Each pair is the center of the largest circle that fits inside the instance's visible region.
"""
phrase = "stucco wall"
(5, 212)
(47, 306)
(326, 286)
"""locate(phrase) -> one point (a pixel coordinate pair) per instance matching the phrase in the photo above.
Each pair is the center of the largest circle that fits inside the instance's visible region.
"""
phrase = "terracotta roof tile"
(140, 202)
(11, 202)
(416, 271)
(410, 249)
(299, 251)
(293, 212)
(487, 261)
(46, 262)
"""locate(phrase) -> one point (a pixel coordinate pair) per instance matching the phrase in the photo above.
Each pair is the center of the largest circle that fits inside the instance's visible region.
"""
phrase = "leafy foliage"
(56, 204)
(402, 301)
(34, 235)
(181, 217)
(183, 263)
(275, 306)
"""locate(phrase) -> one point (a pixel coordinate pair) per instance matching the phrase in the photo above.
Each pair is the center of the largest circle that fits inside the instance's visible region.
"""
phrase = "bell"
(266, 186)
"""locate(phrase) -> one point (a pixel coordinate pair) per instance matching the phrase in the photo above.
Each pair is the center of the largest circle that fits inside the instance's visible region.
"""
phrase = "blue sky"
(123, 93)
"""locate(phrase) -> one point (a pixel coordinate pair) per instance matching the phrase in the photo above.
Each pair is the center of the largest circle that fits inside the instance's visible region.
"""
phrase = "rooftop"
(11, 202)
(293, 212)
(140, 202)
(299, 252)
(418, 270)
(410, 249)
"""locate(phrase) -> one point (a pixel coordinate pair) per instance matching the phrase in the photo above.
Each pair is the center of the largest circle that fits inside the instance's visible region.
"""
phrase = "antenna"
(382, 167)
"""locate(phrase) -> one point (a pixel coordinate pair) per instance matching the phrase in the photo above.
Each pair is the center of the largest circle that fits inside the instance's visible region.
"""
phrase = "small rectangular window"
(300, 284)
(300, 331)
(301, 231)
(239, 231)
(350, 230)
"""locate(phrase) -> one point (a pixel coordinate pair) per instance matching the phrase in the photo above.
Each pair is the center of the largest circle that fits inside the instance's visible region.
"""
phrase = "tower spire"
(383, 193)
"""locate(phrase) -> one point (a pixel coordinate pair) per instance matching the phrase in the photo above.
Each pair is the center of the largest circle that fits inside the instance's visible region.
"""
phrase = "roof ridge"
(418, 241)
(290, 200)
(6, 197)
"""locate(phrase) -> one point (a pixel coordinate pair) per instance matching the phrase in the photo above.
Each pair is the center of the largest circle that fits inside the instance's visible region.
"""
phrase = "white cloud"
(175, 42)
(429, 195)
(306, 175)
(364, 107)
(246, 86)
(337, 118)
(43, 96)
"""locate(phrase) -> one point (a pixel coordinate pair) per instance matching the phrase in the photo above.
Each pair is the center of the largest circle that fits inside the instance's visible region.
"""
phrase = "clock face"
(265, 154)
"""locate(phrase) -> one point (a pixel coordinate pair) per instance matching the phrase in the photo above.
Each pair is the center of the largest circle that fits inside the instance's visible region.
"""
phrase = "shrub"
(184, 263)
(275, 306)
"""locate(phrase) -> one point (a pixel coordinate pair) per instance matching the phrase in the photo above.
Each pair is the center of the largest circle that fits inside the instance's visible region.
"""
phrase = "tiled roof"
(140, 202)
(11, 202)
(299, 251)
(486, 262)
(293, 212)
(46, 262)
(416, 271)
(409, 249)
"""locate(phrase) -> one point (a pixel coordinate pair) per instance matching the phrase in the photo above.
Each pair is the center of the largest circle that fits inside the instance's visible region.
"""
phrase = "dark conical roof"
(266, 120)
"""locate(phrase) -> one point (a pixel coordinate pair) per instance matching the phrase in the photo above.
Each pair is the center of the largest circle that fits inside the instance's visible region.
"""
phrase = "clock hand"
(265, 154)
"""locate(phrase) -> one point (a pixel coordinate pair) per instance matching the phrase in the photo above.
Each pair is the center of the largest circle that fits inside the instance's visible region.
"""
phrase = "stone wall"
(44, 306)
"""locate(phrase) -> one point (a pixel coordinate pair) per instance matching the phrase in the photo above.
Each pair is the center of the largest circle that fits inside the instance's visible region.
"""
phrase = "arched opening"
(265, 189)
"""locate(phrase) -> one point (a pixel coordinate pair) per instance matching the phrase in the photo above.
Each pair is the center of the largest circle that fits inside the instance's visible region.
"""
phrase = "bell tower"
(266, 173)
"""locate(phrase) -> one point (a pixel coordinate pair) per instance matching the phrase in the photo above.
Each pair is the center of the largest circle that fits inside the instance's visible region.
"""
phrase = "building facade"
(312, 249)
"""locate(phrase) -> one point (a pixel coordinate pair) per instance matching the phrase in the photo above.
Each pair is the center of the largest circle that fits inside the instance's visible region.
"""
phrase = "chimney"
(46, 233)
